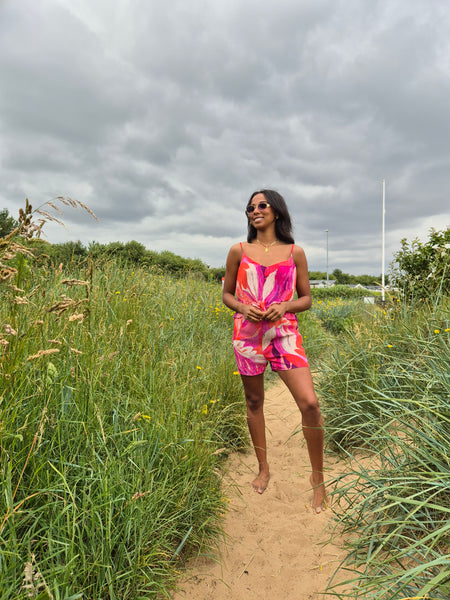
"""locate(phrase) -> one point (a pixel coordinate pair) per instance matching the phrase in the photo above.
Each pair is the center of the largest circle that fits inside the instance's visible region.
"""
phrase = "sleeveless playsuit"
(278, 342)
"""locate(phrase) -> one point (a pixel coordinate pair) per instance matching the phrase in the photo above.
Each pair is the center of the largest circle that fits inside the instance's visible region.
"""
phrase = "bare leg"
(300, 384)
(254, 396)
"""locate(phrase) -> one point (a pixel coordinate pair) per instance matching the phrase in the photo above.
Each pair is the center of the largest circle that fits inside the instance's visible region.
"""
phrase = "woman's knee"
(309, 405)
(254, 401)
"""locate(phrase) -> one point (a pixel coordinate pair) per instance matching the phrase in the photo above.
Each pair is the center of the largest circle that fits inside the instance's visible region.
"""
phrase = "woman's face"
(261, 215)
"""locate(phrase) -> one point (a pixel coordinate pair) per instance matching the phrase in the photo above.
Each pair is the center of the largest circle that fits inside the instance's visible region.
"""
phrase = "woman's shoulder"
(297, 249)
(235, 252)
(298, 254)
(237, 248)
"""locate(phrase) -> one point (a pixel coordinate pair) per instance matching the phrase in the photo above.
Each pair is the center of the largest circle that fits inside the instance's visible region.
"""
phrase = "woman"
(262, 276)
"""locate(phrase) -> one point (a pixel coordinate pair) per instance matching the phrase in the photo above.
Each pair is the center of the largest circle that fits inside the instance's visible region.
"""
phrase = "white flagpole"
(382, 241)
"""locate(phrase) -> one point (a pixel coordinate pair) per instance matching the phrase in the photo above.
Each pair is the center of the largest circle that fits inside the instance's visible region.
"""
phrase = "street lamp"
(326, 231)
(382, 240)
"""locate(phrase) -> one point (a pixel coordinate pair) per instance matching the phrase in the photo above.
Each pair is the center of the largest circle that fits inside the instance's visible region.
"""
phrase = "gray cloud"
(164, 121)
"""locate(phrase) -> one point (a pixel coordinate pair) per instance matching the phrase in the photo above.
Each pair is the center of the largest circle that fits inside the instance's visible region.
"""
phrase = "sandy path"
(274, 547)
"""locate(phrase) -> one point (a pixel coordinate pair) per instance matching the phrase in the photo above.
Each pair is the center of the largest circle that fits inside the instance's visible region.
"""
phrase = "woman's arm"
(303, 288)
(252, 313)
(229, 283)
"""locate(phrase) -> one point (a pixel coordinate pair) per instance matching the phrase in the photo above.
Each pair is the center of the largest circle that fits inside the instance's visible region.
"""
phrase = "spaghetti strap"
(292, 249)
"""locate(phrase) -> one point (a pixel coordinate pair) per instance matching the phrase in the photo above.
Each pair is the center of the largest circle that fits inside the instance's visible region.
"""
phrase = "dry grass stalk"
(62, 305)
(138, 495)
(76, 317)
(9, 330)
(66, 201)
(99, 419)
(29, 229)
(75, 204)
(15, 248)
(7, 273)
(20, 300)
(43, 353)
(4, 241)
(33, 580)
(109, 356)
(71, 282)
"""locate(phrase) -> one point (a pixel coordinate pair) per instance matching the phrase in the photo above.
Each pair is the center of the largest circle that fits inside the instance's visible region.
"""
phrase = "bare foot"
(319, 501)
(259, 484)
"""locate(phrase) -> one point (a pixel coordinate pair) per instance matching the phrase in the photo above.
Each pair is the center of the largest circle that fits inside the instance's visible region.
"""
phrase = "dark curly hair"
(283, 224)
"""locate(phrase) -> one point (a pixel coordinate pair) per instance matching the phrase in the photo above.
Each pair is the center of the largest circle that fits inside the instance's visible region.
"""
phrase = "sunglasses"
(261, 206)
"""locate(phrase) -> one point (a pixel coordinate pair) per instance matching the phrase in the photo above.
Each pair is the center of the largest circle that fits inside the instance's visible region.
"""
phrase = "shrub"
(342, 291)
(422, 269)
(7, 223)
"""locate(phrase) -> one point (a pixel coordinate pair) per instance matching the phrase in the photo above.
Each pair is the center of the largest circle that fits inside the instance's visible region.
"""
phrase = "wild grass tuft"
(118, 402)
(386, 396)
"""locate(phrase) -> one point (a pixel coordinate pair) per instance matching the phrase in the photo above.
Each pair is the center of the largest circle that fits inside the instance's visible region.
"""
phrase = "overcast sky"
(163, 117)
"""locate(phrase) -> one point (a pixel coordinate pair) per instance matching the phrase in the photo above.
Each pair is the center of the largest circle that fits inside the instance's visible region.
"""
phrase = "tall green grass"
(386, 396)
(119, 399)
(338, 315)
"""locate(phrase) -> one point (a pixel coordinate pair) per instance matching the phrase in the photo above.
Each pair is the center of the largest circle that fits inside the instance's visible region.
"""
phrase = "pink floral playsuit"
(278, 342)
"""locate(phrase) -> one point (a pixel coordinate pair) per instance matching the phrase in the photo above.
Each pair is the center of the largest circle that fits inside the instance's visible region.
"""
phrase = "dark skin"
(299, 380)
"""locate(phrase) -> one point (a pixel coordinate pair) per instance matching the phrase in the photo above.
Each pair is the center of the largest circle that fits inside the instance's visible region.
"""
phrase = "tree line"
(345, 278)
(418, 267)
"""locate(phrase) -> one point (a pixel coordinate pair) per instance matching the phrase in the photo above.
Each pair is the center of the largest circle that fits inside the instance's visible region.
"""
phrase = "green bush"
(341, 291)
(7, 223)
(422, 269)
(336, 315)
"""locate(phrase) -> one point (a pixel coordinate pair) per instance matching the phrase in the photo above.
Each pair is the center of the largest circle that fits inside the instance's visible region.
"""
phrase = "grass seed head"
(7, 273)
(76, 317)
(9, 330)
(43, 353)
(71, 282)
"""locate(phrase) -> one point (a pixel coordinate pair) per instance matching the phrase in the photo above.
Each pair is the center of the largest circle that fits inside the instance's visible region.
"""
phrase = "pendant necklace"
(266, 246)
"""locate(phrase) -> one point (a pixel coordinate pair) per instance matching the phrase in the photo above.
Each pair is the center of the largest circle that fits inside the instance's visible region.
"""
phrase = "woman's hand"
(252, 313)
(275, 312)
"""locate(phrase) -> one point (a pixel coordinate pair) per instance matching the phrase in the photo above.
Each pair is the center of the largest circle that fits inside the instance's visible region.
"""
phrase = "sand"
(276, 547)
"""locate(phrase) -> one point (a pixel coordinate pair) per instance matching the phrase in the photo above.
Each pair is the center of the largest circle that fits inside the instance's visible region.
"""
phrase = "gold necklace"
(266, 246)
